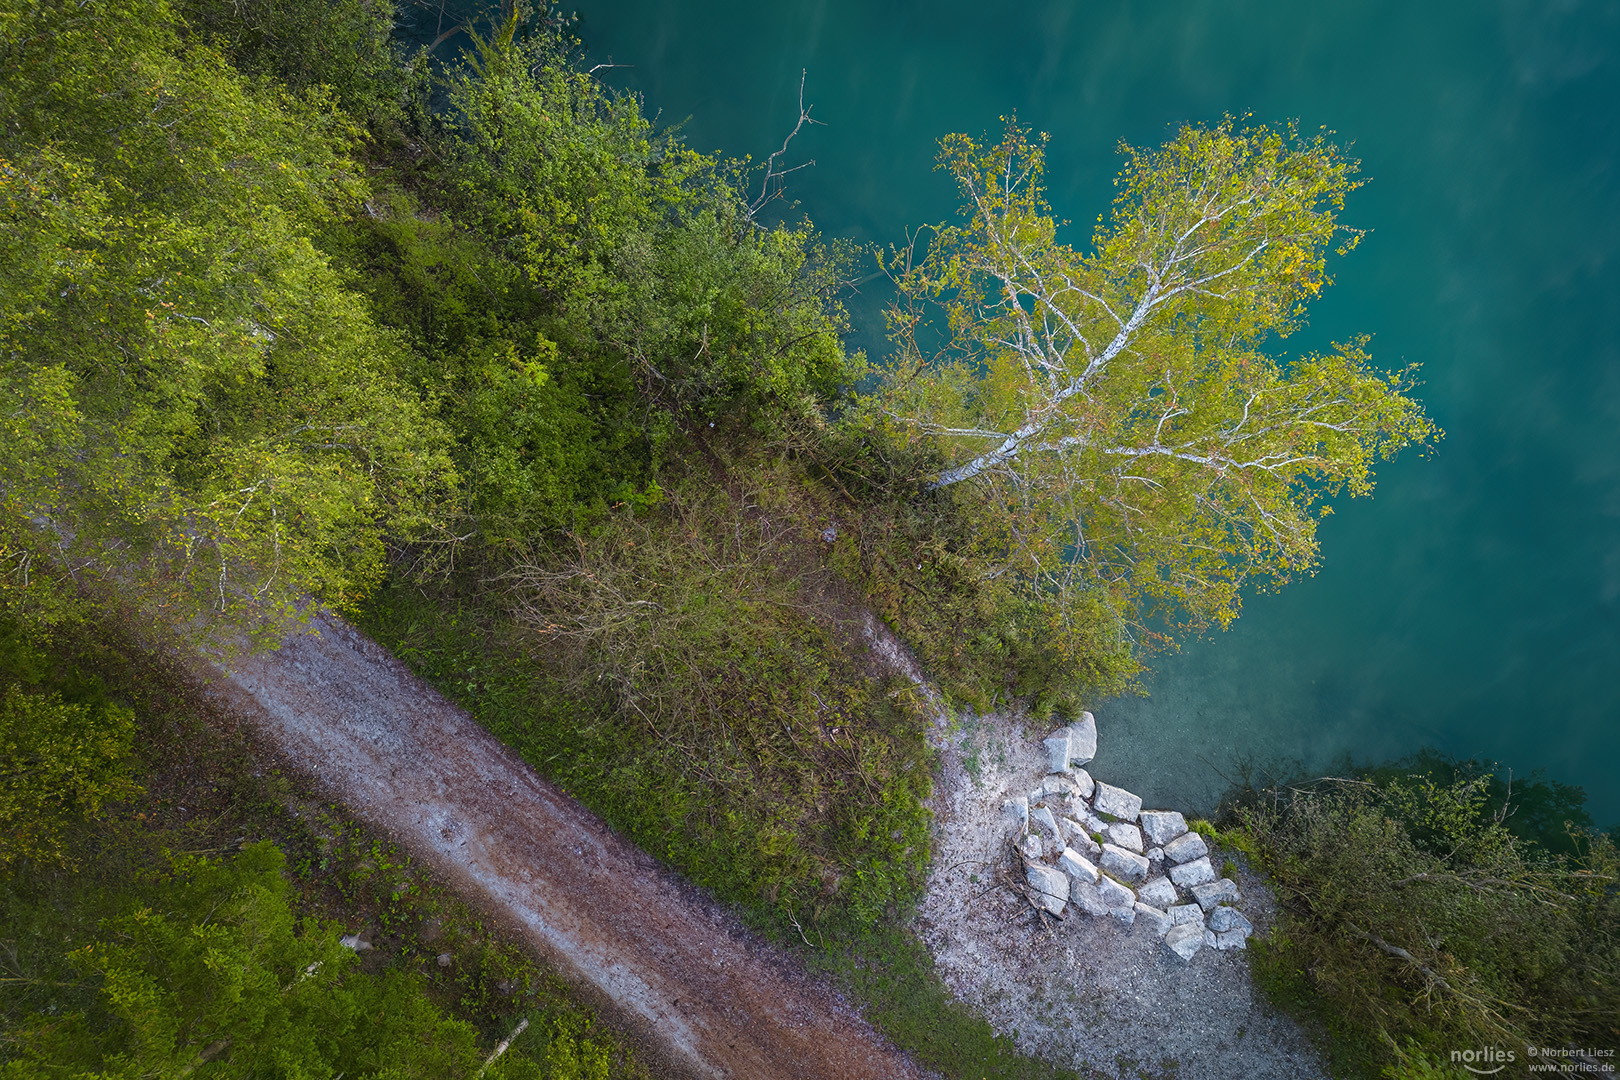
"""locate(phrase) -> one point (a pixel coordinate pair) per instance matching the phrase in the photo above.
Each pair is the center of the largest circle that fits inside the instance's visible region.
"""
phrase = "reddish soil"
(675, 966)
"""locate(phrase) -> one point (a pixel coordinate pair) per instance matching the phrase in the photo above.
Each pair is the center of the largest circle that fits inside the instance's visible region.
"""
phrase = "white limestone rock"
(1015, 812)
(1123, 864)
(1051, 887)
(1186, 913)
(1155, 858)
(1224, 919)
(1189, 875)
(1057, 786)
(1031, 847)
(354, 942)
(1083, 739)
(1079, 839)
(1077, 867)
(1163, 826)
(1186, 848)
(1153, 917)
(1126, 915)
(1215, 892)
(1044, 820)
(1231, 939)
(1157, 891)
(1116, 802)
(1183, 941)
(1088, 898)
(1126, 836)
(1083, 783)
(1057, 751)
(1114, 894)
(1209, 939)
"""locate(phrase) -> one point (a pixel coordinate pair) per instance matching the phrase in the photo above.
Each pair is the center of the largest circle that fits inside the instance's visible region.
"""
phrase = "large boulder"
(1116, 802)
(1125, 835)
(1123, 864)
(1077, 867)
(1189, 875)
(1051, 887)
(1222, 919)
(1183, 941)
(1015, 813)
(1153, 917)
(1043, 819)
(1162, 826)
(1088, 898)
(1215, 892)
(1186, 913)
(1083, 783)
(1083, 739)
(1157, 891)
(1186, 848)
(1057, 751)
(1114, 894)
(1079, 839)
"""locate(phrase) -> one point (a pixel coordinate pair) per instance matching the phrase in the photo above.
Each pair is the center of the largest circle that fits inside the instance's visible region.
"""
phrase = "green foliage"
(209, 418)
(1414, 922)
(1131, 452)
(58, 763)
(666, 672)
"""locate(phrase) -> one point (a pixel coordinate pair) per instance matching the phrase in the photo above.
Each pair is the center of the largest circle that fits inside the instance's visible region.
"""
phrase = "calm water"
(1474, 602)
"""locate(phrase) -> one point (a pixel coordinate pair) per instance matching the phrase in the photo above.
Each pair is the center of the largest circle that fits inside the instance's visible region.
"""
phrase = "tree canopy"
(1115, 413)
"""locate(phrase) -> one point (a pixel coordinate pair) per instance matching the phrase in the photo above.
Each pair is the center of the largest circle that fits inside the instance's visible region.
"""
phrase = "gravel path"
(669, 961)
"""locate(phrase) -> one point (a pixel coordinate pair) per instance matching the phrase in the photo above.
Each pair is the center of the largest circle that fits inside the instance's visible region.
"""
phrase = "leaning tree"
(1116, 416)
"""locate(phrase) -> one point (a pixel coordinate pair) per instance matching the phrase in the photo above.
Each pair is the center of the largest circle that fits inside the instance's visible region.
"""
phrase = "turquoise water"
(1474, 602)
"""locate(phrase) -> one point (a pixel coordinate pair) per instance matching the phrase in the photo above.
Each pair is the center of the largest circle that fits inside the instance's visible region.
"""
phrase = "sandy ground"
(1083, 991)
(709, 997)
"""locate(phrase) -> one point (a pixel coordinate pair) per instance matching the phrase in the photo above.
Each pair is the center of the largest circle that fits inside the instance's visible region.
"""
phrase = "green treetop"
(1112, 413)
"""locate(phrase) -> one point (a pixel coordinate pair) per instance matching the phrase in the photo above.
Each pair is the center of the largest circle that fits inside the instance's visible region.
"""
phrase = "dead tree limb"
(770, 187)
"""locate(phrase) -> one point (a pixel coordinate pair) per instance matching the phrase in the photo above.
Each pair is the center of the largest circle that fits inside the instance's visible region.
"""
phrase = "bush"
(1413, 921)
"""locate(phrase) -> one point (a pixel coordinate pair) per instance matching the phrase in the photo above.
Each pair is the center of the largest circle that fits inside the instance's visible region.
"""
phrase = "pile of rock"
(1090, 845)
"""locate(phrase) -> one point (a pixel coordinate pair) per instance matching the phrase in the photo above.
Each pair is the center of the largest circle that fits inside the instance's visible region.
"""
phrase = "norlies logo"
(1484, 1062)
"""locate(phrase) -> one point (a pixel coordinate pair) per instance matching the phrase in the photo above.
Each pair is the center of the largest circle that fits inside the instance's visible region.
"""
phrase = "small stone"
(1125, 864)
(1157, 891)
(1186, 913)
(1079, 839)
(1183, 941)
(1153, 916)
(1126, 915)
(1126, 836)
(1031, 847)
(1117, 802)
(1088, 898)
(1051, 887)
(1057, 785)
(353, 941)
(1155, 858)
(1163, 826)
(1077, 866)
(1083, 783)
(1186, 848)
(1016, 813)
(1057, 751)
(1231, 939)
(1114, 894)
(445, 959)
(1214, 892)
(1095, 823)
(1222, 919)
(1188, 875)
(1209, 939)
(1083, 739)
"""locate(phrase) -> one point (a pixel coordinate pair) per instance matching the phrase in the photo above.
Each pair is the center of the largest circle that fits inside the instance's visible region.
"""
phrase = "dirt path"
(687, 976)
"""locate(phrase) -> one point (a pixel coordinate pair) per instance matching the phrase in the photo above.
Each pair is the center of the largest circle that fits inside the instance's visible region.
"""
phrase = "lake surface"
(1474, 603)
